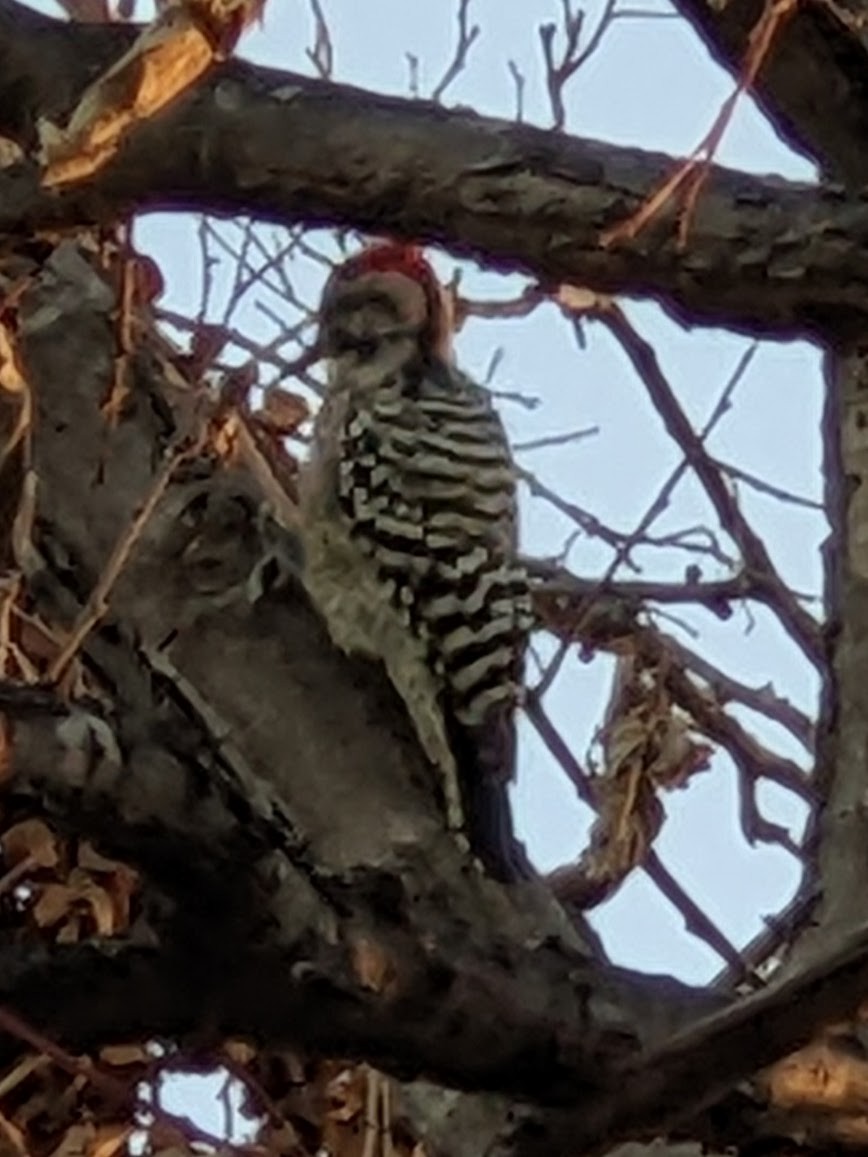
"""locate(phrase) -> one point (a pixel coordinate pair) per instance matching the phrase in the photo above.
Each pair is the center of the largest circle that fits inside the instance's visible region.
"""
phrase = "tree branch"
(763, 254)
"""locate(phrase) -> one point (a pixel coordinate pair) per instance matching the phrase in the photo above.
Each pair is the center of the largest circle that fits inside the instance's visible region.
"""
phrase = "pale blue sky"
(651, 84)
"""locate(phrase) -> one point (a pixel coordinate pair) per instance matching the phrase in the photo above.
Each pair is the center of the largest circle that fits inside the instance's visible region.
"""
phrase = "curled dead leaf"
(282, 411)
(53, 905)
(648, 744)
(31, 841)
(346, 1092)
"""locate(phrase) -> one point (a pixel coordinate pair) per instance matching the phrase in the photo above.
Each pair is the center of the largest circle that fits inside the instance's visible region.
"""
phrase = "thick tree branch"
(762, 254)
(235, 730)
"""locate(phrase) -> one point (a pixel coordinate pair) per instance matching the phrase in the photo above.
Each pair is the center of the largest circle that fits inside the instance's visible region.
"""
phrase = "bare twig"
(586, 521)
(467, 34)
(558, 73)
(556, 439)
(322, 55)
(765, 487)
(518, 80)
(798, 622)
(412, 74)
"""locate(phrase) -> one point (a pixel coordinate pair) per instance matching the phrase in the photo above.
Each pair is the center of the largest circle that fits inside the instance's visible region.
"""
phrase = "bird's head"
(388, 291)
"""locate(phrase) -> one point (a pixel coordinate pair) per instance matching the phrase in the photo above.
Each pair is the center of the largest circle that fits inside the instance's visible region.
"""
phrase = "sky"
(650, 84)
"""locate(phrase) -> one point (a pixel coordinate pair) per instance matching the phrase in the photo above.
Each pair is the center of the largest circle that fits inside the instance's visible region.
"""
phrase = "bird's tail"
(486, 764)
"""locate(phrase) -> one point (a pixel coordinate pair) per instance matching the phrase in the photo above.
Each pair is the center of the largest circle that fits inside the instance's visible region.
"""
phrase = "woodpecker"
(408, 515)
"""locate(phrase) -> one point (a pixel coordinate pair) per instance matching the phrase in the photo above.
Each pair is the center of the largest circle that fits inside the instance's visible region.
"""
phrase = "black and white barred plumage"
(409, 521)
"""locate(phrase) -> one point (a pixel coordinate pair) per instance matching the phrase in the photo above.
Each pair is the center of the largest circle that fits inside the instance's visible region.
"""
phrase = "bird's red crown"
(410, 261)
(392, 257)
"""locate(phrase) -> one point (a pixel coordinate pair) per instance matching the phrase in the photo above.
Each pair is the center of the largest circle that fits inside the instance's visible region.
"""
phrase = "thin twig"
(558, 73)
(801, 625)
(694, 918)
(466, 36)
(556, 439)
(765, 487)
(322, 55)
(518, 79)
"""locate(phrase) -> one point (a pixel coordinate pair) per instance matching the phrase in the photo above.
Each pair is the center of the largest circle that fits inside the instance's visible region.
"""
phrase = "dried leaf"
(647, 745)
(71, 932)
(95, 898)
(120, 1055)
(93, 861)
(208, 341)
(12, 378)
(10, 152)
(76, 1141)
(109, 1139)
(54, 904)
(282, 411)
(240, 1051)
(372, 966)
(347, 1092)
(31, 841)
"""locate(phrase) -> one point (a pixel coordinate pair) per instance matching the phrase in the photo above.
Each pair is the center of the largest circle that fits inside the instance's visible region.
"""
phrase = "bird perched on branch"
(408, 509)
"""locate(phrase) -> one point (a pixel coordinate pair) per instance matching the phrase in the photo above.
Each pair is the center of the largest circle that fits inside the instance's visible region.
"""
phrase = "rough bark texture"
(764, 255)
(302, 886)
(271, 791)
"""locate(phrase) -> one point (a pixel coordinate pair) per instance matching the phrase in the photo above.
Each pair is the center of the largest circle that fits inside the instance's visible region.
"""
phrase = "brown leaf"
(346, 1092)
(76, 1141)
(208, 341)
(10, 152)
(119, 1055)
(148, 280)
(282, 411)
(54, 904)
(31, 840)
(12, 378)
(95, 898)
(372, 966)
(240, 1051)
(647, 745)
(109, 1139)
(93, 861)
